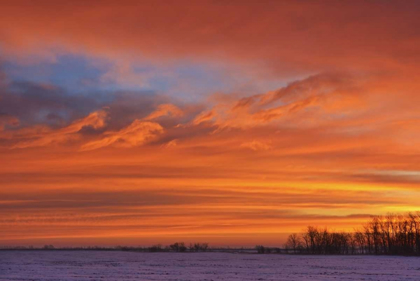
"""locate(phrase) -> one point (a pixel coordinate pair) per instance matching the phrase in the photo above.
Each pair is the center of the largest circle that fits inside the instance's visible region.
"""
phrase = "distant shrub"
(197, 247)
(155, 248)
(178, 247)
(260, 249)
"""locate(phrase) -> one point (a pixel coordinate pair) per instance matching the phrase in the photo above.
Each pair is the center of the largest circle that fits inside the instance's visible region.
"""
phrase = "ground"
(92, 265)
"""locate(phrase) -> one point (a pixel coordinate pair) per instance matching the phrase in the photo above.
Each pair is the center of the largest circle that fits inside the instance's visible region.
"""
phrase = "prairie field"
(101, 265)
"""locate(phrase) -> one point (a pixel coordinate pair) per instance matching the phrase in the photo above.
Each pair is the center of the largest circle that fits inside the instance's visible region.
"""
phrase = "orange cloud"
(45, 136)
(256, 145)
(284, 37)
(137, 133)
(164, 110)
(318, 95)
(204, 117)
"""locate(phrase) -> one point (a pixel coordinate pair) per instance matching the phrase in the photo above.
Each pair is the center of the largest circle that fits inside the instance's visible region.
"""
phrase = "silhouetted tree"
(381, 235)
(260, 249)
(178, 247)
(293, 242)
(155, 248)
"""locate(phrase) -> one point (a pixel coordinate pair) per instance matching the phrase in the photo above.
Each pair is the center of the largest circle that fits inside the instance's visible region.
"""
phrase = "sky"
(228, 122)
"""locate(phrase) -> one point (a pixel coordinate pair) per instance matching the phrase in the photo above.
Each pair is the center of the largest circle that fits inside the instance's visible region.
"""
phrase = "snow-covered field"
(77, 265)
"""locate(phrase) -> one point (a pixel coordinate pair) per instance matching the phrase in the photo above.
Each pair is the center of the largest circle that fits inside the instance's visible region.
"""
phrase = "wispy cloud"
(95, 120)
(137, 133)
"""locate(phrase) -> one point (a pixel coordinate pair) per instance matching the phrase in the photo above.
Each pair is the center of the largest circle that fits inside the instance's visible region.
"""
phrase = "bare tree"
(381, 235)
(293, 242)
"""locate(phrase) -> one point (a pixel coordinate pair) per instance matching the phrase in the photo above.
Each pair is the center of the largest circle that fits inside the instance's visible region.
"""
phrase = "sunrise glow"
(132, 123)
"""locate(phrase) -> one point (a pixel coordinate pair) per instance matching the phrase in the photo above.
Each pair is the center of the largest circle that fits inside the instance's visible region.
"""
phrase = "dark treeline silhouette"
(180, 247)
(176, 247)
(382, 235)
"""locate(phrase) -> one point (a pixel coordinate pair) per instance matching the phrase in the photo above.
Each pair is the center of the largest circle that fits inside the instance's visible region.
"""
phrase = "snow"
(96, 265)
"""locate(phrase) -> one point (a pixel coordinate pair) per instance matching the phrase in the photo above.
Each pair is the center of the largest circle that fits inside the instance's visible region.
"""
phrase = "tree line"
(393, 234)
(176, 247)
(180, 247)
